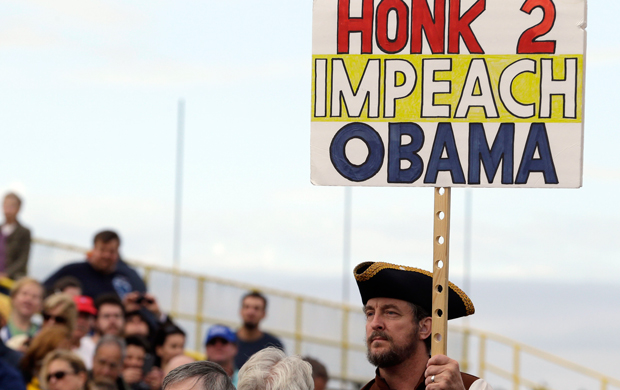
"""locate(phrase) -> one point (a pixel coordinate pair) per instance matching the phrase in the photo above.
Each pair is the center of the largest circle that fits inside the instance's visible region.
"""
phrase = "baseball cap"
(85, 304)
(222, 332)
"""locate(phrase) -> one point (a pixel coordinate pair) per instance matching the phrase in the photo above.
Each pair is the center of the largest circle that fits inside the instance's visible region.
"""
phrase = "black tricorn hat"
(384, 280)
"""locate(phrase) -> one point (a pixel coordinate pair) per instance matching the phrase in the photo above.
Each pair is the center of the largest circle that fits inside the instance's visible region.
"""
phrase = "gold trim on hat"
(378, 266)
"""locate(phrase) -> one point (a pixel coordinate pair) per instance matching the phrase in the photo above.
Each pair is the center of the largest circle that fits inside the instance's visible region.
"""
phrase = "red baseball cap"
(85, 304)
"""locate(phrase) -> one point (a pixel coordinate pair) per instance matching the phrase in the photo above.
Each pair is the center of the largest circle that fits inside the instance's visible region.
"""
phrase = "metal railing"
(332, 332)
(520, 353)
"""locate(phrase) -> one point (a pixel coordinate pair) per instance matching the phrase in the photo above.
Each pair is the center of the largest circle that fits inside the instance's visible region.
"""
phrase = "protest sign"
(448, 93)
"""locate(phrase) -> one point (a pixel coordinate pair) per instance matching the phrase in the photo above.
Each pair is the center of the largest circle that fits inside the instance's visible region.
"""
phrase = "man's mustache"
(377, 333)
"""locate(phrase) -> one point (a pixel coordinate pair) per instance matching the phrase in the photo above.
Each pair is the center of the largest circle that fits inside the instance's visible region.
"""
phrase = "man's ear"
(425, 327)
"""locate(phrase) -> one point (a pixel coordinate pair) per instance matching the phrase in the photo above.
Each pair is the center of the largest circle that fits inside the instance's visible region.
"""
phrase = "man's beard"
(250, 325)
(396, 354)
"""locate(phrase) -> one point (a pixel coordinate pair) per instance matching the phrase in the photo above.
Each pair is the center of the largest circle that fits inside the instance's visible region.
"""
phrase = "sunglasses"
(58, 375)
(216, 340)
(57, 319)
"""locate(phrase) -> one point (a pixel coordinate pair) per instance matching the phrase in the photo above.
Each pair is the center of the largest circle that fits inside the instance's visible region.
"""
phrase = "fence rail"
(331, 331)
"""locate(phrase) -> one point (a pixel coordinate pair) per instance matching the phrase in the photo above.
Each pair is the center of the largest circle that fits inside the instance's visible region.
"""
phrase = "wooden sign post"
(441, 250)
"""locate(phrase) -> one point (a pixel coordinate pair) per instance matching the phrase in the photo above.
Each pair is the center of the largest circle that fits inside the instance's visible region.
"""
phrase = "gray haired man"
(271, 368)
(108, 361)
(198, 376)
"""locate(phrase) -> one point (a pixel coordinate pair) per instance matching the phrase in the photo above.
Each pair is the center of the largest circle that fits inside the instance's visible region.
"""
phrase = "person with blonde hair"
(271, 369)
(26, 297)
(59, 308)
(48, 339)
(64, 370)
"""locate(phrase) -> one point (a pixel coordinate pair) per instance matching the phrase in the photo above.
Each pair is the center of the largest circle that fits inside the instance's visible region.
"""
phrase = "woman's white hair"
(271, 369)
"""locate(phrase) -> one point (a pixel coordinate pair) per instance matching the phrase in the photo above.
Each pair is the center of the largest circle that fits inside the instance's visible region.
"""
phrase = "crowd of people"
(100, 329)
(93, 325)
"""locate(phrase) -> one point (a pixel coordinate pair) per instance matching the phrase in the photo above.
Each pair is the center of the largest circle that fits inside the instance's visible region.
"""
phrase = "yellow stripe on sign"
(463, 88)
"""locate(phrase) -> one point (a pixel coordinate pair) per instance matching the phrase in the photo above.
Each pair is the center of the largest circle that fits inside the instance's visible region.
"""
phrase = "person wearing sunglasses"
(50, 338)
(59, 309)
(221, 348)
(64, 370)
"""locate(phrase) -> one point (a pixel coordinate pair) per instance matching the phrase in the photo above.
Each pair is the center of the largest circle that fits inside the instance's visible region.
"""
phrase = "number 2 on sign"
(527, 42)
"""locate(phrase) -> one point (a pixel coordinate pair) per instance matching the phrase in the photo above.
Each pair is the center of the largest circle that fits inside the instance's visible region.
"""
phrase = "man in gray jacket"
(14, 240)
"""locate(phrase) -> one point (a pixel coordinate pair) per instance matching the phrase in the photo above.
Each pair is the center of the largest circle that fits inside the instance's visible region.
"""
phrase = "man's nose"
(377, 322)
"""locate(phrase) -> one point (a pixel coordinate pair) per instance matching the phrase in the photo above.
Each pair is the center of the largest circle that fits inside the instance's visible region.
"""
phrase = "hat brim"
(384, 280)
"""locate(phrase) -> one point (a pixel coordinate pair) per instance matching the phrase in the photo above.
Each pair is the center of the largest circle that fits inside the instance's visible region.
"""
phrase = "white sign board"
(448, 93)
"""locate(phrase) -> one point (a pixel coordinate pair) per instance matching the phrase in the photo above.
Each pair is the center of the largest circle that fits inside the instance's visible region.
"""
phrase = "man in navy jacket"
(103, 271)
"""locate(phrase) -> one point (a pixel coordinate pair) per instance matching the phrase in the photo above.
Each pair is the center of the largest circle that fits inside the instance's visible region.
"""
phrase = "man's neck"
(229, 367)
(245, 334)
(75, 342)
(407, 374)
(20, 322)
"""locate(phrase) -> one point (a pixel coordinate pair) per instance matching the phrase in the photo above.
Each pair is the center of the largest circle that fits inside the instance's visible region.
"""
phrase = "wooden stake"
(441, 250)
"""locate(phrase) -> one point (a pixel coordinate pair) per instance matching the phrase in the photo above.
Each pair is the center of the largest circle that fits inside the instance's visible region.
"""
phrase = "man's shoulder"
(9, 355)
(21, 230)
(10, 377)
(270, 340)
(468, 379)
(78, 269)
(88, 342)
(474, 383)
(125, 270)
(368, 385)
(77, 266)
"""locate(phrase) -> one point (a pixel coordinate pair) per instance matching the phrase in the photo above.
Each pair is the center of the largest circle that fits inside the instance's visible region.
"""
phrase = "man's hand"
(130, 301)
(445, 372)
(151, 305)
(132, 375)
(134, 300)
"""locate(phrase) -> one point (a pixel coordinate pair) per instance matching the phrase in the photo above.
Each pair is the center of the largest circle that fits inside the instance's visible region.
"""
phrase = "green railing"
(331, 331)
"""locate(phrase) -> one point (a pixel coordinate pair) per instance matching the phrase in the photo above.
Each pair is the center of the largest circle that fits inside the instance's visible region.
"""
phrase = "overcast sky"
(88, 111)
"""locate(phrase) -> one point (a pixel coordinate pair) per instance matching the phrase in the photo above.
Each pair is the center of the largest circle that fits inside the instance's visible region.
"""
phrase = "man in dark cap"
(221, 348)
(397, 303)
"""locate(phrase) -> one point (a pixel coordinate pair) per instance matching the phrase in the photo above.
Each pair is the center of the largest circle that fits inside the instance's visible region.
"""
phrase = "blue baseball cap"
(222, 332)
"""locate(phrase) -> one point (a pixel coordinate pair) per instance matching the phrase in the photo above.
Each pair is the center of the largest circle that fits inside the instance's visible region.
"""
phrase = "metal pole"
(176, 244)
(176, 254)
(346, 246)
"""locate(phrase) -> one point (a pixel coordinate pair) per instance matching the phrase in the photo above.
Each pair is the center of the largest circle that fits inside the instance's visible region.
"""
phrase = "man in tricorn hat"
(397, 303)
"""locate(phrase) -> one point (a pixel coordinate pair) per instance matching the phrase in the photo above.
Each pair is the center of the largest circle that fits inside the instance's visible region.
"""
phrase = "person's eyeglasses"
(58, 375)
(216, 340)
(57, 319)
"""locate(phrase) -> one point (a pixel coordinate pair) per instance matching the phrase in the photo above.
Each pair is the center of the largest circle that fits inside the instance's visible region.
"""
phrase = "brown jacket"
(17, 252)
(380, 384)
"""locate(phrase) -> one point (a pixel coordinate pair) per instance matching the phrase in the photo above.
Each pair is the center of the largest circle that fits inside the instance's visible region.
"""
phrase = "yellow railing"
(332, 332)
(522, 351)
